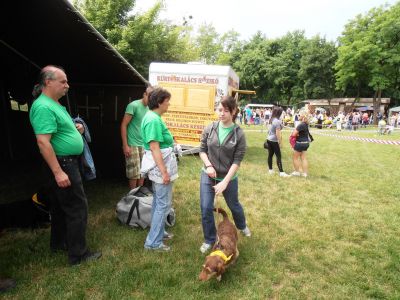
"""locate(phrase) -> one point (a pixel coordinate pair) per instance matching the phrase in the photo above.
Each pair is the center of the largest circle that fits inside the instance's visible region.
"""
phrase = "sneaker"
(271, 172)
(283, 174)
(295, 173)
(162, 247)
(205, 247)
(304, 174)
(88, 256)
(6, 284)
(246, 232)
(167, 236)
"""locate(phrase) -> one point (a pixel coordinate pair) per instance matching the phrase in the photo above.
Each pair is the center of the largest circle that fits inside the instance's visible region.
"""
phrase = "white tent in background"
(394, 109)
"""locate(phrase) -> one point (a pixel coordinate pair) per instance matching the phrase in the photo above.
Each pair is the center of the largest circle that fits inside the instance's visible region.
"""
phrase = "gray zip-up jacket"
(222, 157)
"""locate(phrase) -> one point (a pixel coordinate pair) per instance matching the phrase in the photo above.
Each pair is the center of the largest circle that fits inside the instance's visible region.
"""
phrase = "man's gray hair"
(46, 73)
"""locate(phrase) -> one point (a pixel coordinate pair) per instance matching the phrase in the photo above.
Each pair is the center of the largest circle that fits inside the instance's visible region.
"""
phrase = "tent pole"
(19, 54)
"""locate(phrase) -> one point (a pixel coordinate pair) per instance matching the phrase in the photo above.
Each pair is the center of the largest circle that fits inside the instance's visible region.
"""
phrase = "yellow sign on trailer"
(195, 90)
(191, 109)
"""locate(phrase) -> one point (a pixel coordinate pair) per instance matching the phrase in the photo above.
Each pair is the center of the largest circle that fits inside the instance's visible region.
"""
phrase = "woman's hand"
(211, 172)
(220, 187)
(165, 177)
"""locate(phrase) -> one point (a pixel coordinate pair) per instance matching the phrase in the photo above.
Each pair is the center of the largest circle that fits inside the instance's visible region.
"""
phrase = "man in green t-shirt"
(132, 142)
(61, 144)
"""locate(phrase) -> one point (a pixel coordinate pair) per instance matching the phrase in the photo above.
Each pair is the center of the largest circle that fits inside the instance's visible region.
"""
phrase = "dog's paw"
(219, 277)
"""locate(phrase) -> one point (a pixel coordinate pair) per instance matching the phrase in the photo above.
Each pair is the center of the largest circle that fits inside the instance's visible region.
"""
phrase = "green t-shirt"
(223, 132)
(49, 117)
(137, 110)
(154, 129)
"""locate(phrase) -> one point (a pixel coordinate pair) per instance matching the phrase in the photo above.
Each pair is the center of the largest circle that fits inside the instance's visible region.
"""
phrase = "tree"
(317, 68)
(107, 16)
(140, 38)
(369, 53)
(208, 44)
(145, 39)
(230, 43)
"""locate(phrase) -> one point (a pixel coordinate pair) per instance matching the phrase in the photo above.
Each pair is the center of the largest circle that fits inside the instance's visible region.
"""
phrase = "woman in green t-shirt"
(159, 162)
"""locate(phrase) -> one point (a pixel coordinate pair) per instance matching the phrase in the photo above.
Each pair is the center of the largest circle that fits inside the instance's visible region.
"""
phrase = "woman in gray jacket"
(223, 146)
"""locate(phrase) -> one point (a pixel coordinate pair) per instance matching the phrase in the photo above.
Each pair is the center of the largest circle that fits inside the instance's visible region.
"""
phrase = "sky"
(274, 18)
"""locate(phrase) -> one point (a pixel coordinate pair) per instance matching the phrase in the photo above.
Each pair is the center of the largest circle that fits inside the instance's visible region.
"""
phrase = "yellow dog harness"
(222, 255)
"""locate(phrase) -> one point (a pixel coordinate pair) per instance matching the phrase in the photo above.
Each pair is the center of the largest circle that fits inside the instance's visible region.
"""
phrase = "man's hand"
(80, 128)
(62, 179)
(127, 150)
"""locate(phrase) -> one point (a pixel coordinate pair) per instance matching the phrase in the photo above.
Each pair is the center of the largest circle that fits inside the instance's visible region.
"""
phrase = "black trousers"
(69, 210)
(273, 148)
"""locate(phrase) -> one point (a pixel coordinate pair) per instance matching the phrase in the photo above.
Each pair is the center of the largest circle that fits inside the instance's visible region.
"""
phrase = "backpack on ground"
(134, 209)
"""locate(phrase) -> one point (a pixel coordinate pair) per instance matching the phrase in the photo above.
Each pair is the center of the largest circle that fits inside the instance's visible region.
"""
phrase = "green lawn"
(334, 235)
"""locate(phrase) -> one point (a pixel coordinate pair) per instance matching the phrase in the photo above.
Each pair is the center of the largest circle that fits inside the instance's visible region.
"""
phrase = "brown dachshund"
(224, 253)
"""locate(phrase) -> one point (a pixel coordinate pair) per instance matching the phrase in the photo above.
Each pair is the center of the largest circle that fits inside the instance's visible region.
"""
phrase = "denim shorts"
(301, 146)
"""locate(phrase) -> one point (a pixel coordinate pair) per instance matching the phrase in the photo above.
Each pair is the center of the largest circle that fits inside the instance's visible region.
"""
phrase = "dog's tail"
(222, 212)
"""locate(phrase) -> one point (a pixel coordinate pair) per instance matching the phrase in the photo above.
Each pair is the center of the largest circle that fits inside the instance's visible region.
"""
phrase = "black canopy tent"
(36, 33)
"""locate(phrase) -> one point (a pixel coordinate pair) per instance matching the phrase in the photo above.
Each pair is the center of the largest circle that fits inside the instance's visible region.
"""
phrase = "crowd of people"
(321, 119)
(253, 116)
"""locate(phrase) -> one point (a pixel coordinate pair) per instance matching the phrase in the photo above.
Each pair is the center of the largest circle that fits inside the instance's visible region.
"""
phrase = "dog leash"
(217, 212)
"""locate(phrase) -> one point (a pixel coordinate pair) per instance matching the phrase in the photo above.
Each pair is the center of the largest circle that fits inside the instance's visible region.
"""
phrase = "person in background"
(296, 119)
(356, 120)
(222, 149)
(303, 139)
(159, 162)
(61, 145)
(339, 121)
(132, 143)
(274, 141)
(240, 116)
(365, 119)
(382, 126)
(393, 120)
(320, 119)
(249, 114)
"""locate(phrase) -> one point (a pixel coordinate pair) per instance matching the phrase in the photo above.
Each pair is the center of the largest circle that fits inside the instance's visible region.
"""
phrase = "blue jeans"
(162, 201)
(207, 195)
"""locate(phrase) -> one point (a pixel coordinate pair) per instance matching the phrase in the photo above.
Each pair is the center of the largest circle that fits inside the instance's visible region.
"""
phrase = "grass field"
(334, 235)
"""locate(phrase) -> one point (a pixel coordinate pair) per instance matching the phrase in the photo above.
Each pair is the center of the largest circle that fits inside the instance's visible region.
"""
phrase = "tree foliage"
(107, 16)
(368, 55)
(286, 70)
(140, 38)
(317, 68)
(208, 44)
